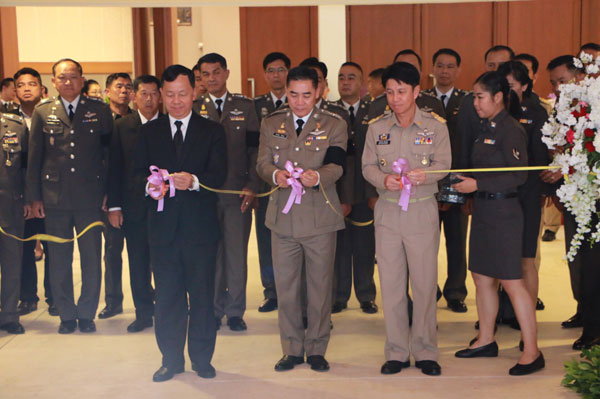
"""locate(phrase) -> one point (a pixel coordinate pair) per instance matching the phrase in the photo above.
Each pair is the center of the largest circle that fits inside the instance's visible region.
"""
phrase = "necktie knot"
(278, 103)
(178, 124)
(351, 109)
(299, 123)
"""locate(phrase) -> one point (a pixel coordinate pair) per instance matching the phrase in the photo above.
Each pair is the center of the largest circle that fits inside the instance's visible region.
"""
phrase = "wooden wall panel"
(468, 31)
(290, 30)
(590, 28)
(377, 33)
(9, 48)
(141, 38)
(546, 29)
(165, 38)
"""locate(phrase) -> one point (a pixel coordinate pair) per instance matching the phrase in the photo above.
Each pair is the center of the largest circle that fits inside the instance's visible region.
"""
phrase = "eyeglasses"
(276, 70)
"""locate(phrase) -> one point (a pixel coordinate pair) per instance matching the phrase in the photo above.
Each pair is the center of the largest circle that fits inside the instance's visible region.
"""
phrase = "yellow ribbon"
(51, 238)
(238, 192)
(505, 169)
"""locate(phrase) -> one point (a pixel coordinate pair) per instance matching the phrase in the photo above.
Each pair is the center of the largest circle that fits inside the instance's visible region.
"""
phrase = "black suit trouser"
(140, 273)
(575, 266)
(184, 273)
(265, 259)
(11, 252)
(455, 231)
(355, 257)
(61, 223)
(114, 241)
(590, 281)
(29, 275)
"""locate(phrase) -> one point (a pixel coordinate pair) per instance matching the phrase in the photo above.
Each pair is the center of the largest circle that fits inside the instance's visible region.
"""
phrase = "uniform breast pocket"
(422, 152)
(386, 158)
(51, 187)
(315, 153)
(279, 153)
(11, 145)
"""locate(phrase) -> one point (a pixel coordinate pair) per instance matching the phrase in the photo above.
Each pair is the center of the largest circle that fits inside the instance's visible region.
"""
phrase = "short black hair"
(274, 56)
(117, 75)
(401, 72)
(196, 68)
(535, 64)
(352, 64)
(212, 58)
(77, 64)
(173, 71)
(313, 62)
(86, 86)
(519, 72)
(494, 82)
(44, 88)
(376, 73)
(303, 73)
(28, 71)
(566, 60)
(447, 51)
(409, 51)
(497, 48)
(590, 46)
(145, 79)
(6, 82)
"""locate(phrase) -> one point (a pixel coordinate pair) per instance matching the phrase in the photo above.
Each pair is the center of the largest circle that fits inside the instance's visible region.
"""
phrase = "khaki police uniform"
(13, 137)
(67, 172)
(307, 234)
(239, 119)
(407, 241)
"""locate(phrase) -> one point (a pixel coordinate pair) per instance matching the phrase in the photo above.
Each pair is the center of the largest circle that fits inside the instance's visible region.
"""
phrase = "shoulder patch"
(437, 117)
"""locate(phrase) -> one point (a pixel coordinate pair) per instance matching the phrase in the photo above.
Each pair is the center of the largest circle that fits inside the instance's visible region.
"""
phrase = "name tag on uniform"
(383, 139)
(489, 141)
(423, 141)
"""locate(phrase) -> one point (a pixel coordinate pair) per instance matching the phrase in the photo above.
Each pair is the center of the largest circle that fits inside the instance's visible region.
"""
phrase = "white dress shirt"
(439, 95)
(74, 103)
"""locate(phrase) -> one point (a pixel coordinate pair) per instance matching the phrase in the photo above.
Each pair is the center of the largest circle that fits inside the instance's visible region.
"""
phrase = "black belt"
(494, 196)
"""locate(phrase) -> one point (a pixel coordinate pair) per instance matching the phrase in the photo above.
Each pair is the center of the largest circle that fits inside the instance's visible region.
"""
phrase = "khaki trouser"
(407, 243)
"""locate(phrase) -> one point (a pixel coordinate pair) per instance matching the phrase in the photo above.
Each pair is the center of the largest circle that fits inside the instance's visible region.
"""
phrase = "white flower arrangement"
(573, 130)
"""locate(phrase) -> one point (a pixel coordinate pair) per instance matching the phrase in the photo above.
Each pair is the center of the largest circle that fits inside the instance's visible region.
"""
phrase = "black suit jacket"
(124, 188)
(190, 215)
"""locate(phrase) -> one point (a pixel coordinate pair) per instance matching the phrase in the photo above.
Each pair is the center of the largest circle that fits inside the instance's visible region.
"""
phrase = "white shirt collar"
(355, 105)
(274, 98)
(305, 118)
(448, 94)
(144, 120)
(74, 103)
(185, 120)
(223, 97)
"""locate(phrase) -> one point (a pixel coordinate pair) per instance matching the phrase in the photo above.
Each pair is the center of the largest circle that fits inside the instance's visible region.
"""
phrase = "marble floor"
(113, 364)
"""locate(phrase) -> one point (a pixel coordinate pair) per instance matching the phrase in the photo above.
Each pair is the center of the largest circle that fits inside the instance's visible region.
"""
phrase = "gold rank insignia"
(382, 162)
(203, 111)
(437, 117)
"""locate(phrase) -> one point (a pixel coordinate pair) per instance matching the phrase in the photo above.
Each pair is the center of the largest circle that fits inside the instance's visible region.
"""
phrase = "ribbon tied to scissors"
(159, 177)
(296, 186)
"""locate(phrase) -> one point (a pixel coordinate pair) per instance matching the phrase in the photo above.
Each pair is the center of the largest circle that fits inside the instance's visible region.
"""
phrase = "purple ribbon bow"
(297, 189)
(158, 177)
(401, 167)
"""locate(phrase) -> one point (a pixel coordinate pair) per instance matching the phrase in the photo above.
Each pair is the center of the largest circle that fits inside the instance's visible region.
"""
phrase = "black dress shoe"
(110, 311)
(236, 324)
(548, 236)
(457, 306)
(394, 366)
(489, 350)
(369, 307)
(139, 325)
(574, 322)
(317, 363)
(67, 326)
(26, 307)
(288, 362)
(14, 327)
(204, 371)
(585, 342)
(539, 305)
(87, 326)
(338, 307)
(268, 305)
(524, 369)
(429, 367)
(53, 310)
(166, 373)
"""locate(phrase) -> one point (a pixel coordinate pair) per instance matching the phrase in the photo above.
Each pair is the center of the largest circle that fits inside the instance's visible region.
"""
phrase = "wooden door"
(290, 30)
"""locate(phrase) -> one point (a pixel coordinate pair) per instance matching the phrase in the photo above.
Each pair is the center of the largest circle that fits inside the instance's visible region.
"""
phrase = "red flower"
(571, 170)
(589, 132)
(570, 136)
(581, 110)
(590, 146)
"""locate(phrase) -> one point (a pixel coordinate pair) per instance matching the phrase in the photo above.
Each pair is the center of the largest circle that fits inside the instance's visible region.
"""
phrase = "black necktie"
(443, 99)
(299, 122)
(71, 113)
(219, 110)
(352, 117)
(178, 140)
(278, 103)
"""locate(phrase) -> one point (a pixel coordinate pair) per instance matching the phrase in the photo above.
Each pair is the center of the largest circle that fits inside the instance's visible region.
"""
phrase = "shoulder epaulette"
(45, 101)
(13, 117)
(277, 112)
(332, 114)
(427, 93)
(96, 99)
(261, 97)
(545, 100)
(239, 95)
(437, 117)
(376, 118)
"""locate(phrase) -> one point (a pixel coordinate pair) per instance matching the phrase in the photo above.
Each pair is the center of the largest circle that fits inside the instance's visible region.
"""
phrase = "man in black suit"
(126, 204)
(66, 174)
(183, 235)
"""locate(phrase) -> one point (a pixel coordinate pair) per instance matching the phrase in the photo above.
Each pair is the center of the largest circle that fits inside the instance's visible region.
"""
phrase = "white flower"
(577, 62)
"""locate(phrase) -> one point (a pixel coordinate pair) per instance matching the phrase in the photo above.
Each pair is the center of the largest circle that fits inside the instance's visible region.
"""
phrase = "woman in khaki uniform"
(407, 237)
